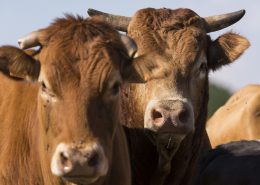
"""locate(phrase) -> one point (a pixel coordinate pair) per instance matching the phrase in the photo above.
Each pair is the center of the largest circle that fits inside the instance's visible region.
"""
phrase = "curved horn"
(30, 40)
(130, 45)
(218, 22)
(118, 22)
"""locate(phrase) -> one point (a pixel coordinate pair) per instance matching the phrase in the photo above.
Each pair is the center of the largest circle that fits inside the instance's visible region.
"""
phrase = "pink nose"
(176, 117)
(72, 161)
(172, 116)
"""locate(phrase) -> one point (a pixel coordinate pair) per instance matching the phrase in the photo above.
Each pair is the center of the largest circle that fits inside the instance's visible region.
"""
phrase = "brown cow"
(174, 107)
(64, 129)
(238, 119)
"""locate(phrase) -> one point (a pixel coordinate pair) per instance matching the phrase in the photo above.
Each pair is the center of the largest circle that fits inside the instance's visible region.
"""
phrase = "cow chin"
(168, 144)
(81, 180)
(84, 179)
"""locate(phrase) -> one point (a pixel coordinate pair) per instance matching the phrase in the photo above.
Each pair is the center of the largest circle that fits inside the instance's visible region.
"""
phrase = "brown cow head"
(178, 41)
(79, 68)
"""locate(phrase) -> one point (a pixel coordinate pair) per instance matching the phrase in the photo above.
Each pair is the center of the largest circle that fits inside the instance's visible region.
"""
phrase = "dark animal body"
(235, 163)
(64, 128)
(165, 118)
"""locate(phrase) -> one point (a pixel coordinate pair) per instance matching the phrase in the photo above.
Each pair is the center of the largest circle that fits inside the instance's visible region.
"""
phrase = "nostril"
(157, 117)
(156, 114)
(184, 116)
(65, 162)
(93, 159)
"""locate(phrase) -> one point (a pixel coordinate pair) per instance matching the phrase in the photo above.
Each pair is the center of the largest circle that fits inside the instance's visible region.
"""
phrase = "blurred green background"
(218, 95)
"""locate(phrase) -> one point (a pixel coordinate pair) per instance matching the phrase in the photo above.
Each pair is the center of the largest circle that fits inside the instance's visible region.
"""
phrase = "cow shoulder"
(238, 119)
(244, 104)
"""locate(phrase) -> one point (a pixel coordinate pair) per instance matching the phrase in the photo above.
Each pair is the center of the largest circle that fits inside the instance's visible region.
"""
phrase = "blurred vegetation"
(218, 95)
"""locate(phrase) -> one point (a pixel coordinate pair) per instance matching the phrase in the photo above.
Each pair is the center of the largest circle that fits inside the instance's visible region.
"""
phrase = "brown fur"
(175, 38)
(80, 61)
(238, 119)
(19, 63)
(226, 49)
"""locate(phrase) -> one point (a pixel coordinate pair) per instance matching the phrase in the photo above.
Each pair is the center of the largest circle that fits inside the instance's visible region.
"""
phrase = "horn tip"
(21, 43)
(242, 12)
(92, 12)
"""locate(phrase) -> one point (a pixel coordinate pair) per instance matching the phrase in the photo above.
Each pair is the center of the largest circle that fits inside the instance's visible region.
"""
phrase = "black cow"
(235, 163)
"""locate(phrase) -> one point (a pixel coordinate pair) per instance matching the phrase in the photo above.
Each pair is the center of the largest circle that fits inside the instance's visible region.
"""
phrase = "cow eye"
(43, 86)
(115, 88)
(46, 92)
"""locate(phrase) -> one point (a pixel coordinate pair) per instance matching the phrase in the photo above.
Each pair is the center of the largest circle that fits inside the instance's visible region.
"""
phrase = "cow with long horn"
(172, 110)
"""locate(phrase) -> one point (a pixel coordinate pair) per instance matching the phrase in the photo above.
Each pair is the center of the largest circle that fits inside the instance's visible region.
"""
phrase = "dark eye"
(43, 86)
(203, 67)
(45, 89)
(115, 88)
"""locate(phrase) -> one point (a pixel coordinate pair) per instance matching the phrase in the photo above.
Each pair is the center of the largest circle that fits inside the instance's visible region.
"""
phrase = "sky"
(19, 17)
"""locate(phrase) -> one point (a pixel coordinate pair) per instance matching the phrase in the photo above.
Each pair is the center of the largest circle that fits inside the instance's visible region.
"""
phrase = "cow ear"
(226, 49)
(15, 62)
(143, 68)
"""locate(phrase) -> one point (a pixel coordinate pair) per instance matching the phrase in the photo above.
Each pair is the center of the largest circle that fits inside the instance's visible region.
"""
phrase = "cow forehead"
(75, 50)
(164, 18)
(90, 75)
(77, 29)
(75, 39)
(176, 35)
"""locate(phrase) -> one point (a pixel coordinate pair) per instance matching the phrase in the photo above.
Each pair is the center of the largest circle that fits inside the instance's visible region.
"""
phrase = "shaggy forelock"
(167, 19)
(76, 36)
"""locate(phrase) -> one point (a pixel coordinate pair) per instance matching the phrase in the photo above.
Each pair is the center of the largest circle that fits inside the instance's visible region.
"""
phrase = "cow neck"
(20, 134)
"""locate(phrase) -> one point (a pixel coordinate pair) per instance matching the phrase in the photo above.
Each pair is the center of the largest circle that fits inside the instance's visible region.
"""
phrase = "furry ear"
(226, 49)
(14, 62)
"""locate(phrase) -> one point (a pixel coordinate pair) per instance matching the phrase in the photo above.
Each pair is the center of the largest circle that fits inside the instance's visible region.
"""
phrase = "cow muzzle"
(169, 117)
(171, 120)
(79, 164)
